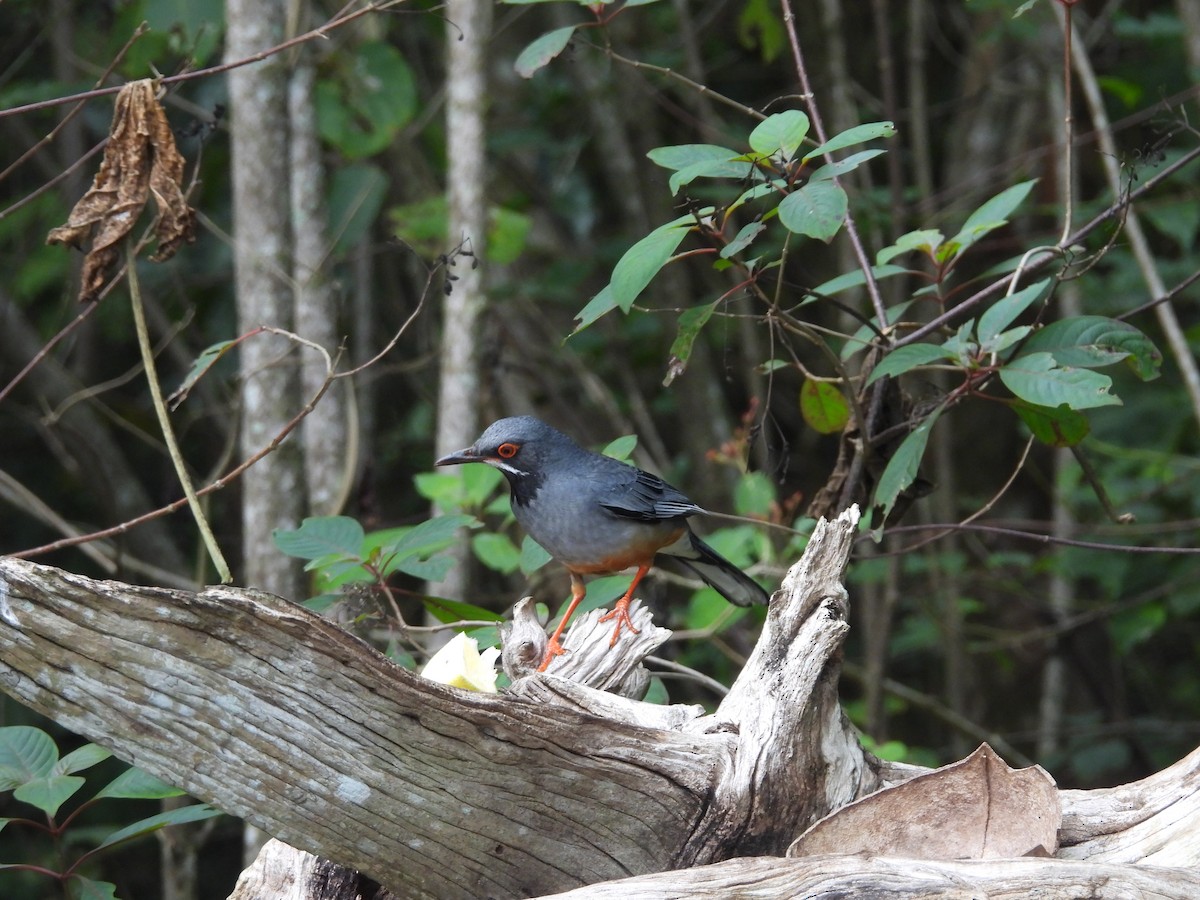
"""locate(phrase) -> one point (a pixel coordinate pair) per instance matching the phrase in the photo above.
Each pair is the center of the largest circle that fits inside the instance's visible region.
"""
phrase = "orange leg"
(554, 648)
(620, 612)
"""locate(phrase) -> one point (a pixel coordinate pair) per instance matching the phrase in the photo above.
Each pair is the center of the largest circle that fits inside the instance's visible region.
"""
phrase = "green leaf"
(621, 447)
(496, 552)
(49, 793)
(682, 156)
(818, 210)
(782, 132)
(603, 302)
(907, 358)
(1093, 341)
(744, 238)
(81, 888)
(322, 536)
(84, 758)
(691, 323)
(1038, 379)
(842, 166)
(362, 112)
(1131, 627)
(421, 541)
(823, 407)
(1060, 427)
(641, 262)
(758, 26)
(859, 134)
(692, 161)
(356, 195)
(905, 463)
(855, 279)
(449, 611)
(197, 812)
(753, 495)
(992, 214)
(26, 753)
(868, 333)
(1003, 312)
(508, 233)
(541, 51)
(533, 556)
(206, 360)
(134, 784)
(926, 240)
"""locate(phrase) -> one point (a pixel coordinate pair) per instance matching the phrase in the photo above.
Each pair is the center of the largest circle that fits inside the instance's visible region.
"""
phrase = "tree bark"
(276, 715)
(273, 490)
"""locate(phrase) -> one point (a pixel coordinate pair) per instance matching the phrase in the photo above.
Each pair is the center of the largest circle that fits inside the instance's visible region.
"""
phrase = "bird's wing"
(646, 498)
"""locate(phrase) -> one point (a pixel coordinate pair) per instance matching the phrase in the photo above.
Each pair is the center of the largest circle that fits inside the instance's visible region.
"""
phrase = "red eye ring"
(507, 450)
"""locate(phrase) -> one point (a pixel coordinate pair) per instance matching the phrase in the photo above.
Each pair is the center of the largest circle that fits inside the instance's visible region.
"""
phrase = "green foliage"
(361, 112)
(32, 769)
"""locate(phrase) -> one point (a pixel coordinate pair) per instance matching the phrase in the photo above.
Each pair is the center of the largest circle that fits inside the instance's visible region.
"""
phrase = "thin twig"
(339, 19)
(164, 422)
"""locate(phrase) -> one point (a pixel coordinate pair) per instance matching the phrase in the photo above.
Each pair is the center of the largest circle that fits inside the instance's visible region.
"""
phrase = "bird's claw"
(553, 649)
(620, 612)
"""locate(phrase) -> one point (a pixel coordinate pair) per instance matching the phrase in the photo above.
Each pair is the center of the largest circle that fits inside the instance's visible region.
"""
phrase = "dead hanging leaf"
(977, 808)
(140, 160)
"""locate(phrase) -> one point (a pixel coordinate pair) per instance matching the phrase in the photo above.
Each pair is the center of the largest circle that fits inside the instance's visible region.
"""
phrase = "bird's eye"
(507, 450)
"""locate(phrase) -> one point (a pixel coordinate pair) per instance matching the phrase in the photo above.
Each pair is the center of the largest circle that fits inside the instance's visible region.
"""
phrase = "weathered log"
(275, 715)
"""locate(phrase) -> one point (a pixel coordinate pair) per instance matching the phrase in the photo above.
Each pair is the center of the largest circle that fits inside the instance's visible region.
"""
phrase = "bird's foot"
(620, 612)
(553, 649)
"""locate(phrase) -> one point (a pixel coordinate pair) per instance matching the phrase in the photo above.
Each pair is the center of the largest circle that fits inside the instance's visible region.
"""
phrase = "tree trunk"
(272, 491)
(276, 715)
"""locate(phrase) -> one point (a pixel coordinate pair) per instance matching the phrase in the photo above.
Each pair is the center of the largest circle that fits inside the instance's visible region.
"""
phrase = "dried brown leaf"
(140, 160)
(977, 808)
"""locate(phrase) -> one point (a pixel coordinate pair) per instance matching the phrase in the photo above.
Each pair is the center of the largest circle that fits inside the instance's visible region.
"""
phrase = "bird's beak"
(459, 457)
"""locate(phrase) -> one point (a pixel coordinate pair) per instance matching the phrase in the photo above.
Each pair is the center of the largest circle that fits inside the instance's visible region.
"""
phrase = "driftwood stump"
(275, 715)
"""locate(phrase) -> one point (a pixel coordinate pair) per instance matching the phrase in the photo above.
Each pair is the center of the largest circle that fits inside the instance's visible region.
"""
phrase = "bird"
(596, 516)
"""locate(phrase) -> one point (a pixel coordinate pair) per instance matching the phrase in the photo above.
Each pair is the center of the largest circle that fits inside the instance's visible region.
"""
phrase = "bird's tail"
(719, 573)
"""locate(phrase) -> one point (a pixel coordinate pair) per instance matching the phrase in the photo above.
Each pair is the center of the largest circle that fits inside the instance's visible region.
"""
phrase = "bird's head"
(520, 447)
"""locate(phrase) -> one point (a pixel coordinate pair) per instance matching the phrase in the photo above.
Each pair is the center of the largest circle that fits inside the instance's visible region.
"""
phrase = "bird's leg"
(554, 648)
(620, 612)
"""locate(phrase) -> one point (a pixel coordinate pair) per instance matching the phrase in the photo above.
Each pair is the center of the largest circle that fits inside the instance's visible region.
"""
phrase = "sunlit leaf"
(781, 132)
(26, 753)
(84, 758)
(1004, 311)
(197, 812)
(1037, 378)
(621, 447)
(539, 53)
(641, 262)
(321, 536)
(823, 406)
(134, 784)
(859, 134)
(992, 214)
(602, 303)
(496, 552)
(743, 239)
(818, 210)
(533, 555)
(49, 793)
(1092, 341)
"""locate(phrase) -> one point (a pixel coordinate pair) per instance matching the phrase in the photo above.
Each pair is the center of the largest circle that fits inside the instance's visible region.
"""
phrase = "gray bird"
(596, 515)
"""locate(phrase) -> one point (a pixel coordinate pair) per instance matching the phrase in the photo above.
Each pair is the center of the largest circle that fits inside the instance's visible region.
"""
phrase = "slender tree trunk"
(273, 490)
(468, 24)
(328, 463)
